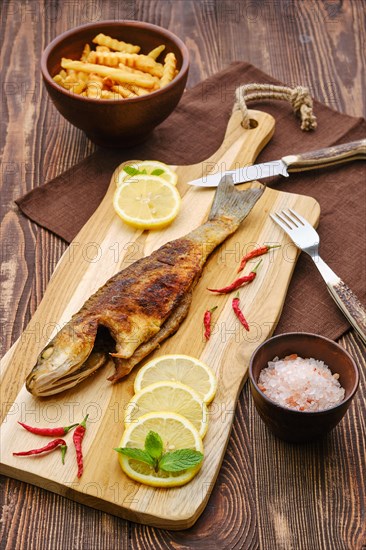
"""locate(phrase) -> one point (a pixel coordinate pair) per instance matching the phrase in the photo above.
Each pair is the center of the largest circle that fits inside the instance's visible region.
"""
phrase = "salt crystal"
(301, 384)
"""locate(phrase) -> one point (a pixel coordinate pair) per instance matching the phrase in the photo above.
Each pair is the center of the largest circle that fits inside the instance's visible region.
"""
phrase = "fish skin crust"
(171, 325)
(142, 304)
(134, 304)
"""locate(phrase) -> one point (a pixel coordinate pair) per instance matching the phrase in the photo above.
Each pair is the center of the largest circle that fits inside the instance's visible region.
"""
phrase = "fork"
(307, 239)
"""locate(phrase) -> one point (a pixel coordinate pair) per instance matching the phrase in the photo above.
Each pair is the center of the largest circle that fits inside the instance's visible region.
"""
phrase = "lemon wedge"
(149, 167)
(176, 432)
(171, 397)
(179, 368)
(147, 202)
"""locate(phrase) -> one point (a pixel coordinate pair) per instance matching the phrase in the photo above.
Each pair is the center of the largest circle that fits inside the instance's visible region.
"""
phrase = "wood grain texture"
(228, 351)
(317, 43)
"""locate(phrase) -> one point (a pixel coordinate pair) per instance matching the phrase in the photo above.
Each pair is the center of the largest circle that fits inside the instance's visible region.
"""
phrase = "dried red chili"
(49, 447)
(77, 438)
(239, 313)
(207, 322)
(48, 431)
(238, 282)
(254, 253)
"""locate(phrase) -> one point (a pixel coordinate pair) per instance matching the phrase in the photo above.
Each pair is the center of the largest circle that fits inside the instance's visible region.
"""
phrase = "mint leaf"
(154, 445)
(182, 459)
(131, 171)
(157, 172)
(137, 454)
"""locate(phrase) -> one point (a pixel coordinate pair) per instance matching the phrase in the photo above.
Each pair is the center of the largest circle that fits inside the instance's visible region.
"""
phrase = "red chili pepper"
(254, 253)
(48, 431)
(238, 282)
(77, 438)
(49, 447)
(239, 313)
(207, 322)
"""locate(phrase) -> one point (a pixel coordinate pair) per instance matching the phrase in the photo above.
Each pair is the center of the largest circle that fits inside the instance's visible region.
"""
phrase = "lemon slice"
(151, 167)
(147, 202)
(171, 397)
(179, 368)
(176, 432)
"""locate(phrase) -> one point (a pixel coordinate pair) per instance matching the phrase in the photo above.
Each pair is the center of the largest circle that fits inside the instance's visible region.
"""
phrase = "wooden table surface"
(269, 494)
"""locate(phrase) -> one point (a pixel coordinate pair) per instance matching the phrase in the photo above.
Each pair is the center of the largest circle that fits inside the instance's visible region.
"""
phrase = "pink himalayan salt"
(301, 384)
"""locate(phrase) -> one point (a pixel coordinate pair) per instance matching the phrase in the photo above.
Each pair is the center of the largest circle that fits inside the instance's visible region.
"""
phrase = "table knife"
(322, 158)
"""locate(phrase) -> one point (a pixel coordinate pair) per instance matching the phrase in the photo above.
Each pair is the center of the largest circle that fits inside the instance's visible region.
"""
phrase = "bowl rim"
(114, 22)
(292, 411)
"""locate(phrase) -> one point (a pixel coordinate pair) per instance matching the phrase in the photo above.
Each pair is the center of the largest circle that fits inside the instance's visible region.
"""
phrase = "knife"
(322, 158)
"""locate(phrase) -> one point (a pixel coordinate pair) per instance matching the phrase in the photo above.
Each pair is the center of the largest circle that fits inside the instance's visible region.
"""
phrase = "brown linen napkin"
(191, 134)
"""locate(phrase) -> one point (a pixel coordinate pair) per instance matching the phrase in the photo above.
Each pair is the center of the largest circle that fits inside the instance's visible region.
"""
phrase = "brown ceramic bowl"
(115, 123)
(297, 426)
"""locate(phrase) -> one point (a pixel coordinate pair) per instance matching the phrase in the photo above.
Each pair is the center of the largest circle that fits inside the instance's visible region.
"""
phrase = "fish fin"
(232, 203)
(171, 325)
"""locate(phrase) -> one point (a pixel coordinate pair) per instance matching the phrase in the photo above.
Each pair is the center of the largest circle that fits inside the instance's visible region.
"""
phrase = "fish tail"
(231, 203)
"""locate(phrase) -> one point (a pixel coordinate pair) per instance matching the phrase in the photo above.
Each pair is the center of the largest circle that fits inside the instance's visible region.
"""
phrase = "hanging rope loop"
(299, 97)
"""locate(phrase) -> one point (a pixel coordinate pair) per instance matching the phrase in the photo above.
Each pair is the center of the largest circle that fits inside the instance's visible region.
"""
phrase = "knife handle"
(338, 154)
(350, 305)
(343, 296)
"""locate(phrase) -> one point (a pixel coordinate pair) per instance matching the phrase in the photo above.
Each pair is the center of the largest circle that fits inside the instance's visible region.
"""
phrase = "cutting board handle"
(240, 146)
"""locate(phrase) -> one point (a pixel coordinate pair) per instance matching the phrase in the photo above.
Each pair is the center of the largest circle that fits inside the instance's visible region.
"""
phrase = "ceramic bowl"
(297, 426)
(115, 123)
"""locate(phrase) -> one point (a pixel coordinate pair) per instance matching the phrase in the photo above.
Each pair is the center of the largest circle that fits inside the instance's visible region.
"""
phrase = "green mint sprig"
(172, 461)
(132, 171)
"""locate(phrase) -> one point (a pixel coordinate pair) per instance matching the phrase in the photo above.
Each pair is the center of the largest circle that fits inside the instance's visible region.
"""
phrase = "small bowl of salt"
(302, 384)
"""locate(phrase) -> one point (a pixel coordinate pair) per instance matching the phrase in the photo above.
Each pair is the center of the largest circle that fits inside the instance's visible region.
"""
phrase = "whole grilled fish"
(140, 306)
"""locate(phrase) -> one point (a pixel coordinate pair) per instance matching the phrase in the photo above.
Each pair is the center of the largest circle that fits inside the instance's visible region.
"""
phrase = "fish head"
(64, 362)
(53, 365)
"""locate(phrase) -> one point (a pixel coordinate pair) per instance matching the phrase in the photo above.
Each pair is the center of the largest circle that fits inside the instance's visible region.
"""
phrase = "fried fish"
(140, 306)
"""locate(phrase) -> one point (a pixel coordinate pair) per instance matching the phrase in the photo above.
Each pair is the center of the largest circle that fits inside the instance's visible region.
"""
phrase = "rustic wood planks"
(320, 44)
(228, 351)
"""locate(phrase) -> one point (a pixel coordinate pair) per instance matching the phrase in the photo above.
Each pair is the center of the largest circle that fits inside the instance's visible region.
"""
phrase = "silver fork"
(307, 239)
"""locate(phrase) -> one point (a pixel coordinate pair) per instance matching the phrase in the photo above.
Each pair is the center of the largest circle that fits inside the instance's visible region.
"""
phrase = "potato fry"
(108, 94)
(83, 76)
(118, 45)
(136, 71)
(59, 80)
(94, 92)
(137, 90)
(170, 64)
(124, 91)
(74, 85)
(95, 79)
(108, 82)
(123, 77)
(156, 52)
(102, 49)
(86, 52)
(143, 63)
(117, 59)
(111, 59)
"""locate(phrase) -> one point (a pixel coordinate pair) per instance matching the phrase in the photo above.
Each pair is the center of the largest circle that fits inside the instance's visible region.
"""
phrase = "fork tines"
(287, 219)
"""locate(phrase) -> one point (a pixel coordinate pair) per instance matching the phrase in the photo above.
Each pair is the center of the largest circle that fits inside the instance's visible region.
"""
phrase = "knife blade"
(321, 158)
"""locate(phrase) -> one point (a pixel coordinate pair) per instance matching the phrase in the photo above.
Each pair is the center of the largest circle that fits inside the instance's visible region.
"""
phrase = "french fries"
(116, 70)
(156, 52)
(170, 65)
(142, 63)
(113, 44)
(118, 75)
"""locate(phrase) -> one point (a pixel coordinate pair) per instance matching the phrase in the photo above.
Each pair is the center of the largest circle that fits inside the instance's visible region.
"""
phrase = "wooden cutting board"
(104, 246)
